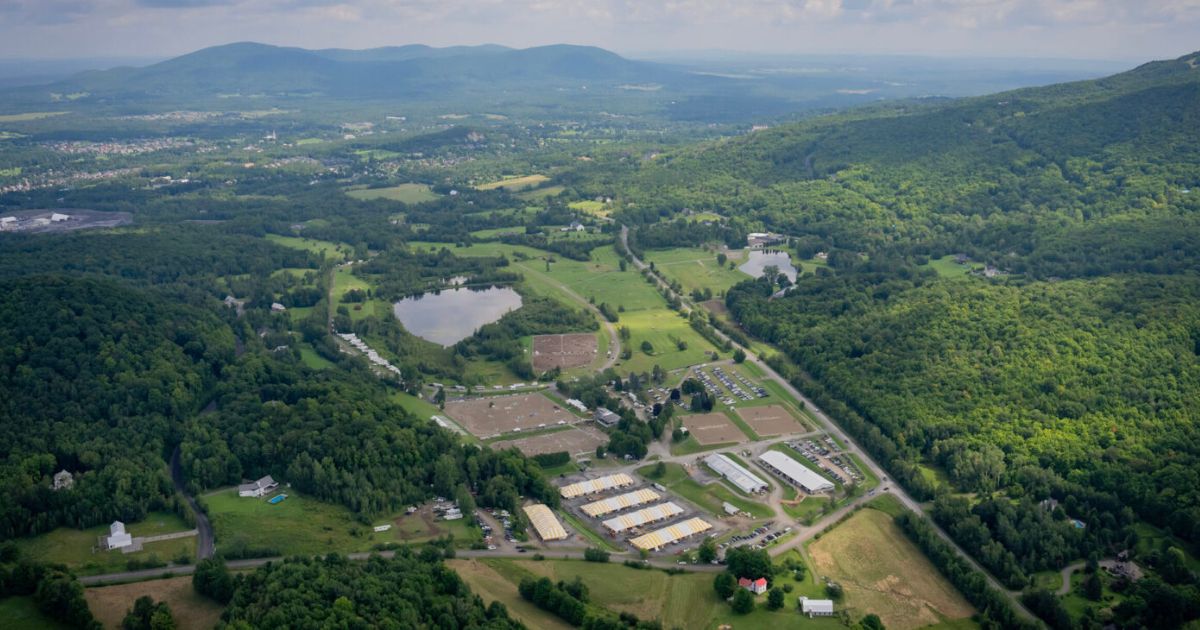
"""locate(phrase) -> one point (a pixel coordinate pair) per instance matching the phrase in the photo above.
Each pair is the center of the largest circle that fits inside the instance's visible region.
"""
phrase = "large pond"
(450, 316)
(761, 259)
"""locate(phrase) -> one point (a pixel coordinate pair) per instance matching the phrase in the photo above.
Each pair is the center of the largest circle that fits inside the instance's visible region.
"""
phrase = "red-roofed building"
(745, 583)
(760, 586)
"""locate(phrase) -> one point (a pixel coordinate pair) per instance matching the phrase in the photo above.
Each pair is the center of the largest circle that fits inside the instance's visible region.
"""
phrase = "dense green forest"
(412, 590)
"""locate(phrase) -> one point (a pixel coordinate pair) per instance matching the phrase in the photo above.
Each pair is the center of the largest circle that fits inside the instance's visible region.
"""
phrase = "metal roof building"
(592, 486)
(651, 514)
(816, 607)
(602, 507)
(735, 473)
(794, 472)
(658, 539)
(544, 521)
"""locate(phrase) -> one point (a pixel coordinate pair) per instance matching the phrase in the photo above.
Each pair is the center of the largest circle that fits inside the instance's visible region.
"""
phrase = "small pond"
(452, 315)
(761, 259)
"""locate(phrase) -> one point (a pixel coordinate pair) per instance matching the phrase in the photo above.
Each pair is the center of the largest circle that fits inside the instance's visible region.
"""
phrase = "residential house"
(257, 488)
(117, 536)
(63, 480)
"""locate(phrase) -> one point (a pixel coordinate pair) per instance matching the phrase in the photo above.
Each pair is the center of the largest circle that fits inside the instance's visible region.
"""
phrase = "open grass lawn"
(515, 183)
(947, 267)
(313, 360)
(73, 547)
(664, 329)
(422, 527)
(689, 445)
(404, 193)
(191, 611)
(884, 573)
(695, 268)
(298, 525)
(587, 533)
(541, 193)
(334, 251)
(21, 612)
(1152, 538)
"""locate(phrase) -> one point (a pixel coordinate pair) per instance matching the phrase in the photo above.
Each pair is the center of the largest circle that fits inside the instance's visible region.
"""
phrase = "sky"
(1133, 30)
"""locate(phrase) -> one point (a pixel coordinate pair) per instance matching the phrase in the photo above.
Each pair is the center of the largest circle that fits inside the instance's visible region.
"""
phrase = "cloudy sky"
(1086, 29)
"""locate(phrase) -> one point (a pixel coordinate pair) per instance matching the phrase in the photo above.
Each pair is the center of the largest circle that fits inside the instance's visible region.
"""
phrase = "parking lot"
(824, 452)
(732, 388)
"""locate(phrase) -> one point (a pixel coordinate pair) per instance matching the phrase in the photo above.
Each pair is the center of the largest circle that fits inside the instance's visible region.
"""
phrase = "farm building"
(276, 307)
(257, 488)
(606, 417)
(758, 587)
(816, 607)
(57, 217)
(794, 472)
(660, 538)
(592, 486)
(603, 507)
(117, 536)
(544, 521)
(735, 473)
(641, 517)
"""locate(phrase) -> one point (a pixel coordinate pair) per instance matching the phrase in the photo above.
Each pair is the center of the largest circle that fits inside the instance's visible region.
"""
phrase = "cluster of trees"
(55, 590)
(1039, 390)
(569, 601)
(414, 589)
(148, 615)
(501, 340)
(630, 436)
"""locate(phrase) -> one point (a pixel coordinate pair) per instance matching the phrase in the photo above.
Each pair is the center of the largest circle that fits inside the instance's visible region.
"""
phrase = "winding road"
(204, 542)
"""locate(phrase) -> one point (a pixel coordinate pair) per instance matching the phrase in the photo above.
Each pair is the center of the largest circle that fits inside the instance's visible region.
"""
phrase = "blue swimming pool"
(277, 498)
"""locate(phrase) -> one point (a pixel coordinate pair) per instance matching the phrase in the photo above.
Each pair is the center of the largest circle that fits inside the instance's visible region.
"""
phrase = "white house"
(257, 488)
(117, 536)
(276, 307)
(816, 607)
(63, 480)
(57, 217)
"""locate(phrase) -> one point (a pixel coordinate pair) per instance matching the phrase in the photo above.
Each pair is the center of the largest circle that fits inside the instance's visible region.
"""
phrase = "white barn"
(117, 536)
(816, 607)
(735, 473)
(794, 472)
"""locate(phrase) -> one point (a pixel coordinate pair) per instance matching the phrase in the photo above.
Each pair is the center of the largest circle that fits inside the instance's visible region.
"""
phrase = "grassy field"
(28, 116)
(664, 329)
(947, 267)
(594, 208)
(73, 547)
(313, 360)
(515, 183)
(884, 573)
(587, 533)
(191, 611)
(335, 251)
(22, 612)
(490, 585)
(420, 527)
(298, 525)
(696, 268)
(404, 193)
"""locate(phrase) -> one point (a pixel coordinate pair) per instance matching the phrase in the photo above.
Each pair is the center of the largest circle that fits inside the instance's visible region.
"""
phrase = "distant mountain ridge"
(400, 71)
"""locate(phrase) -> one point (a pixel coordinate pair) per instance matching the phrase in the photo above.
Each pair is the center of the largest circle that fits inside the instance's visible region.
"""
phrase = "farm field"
(563, 351)
(190, 610)
(697, 268)
(948, 267)
(515, 183)
(489, 584)
(28, 116)
(594, 208)
(883, 572)
(404, 193)
(335, 251)
(73, 547)
(422, 526)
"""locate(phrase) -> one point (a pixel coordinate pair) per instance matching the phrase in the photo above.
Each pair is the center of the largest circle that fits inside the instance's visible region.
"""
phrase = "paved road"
(851, 447)
(204, 544)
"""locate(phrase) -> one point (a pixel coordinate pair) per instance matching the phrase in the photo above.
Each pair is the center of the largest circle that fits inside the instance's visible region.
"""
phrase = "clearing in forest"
(190, 610)
(883, 572)
(515, 183)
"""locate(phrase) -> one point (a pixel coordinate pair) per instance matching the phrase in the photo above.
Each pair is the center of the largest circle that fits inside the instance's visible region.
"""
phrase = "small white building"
(276, 307)
(382, 528)
(56, 217)
(257, 488)
(117, 536)
(816, 607)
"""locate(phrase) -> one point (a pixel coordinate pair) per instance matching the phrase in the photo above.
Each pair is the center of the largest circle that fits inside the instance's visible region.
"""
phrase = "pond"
(761, 259)
(450, 316)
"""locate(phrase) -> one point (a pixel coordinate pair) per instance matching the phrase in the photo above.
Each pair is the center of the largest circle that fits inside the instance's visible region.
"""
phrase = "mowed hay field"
(697, 268)
(191, 611)
(490, 585)
(404, 193)
(297, 525)
(884, 573)
(515, 183)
